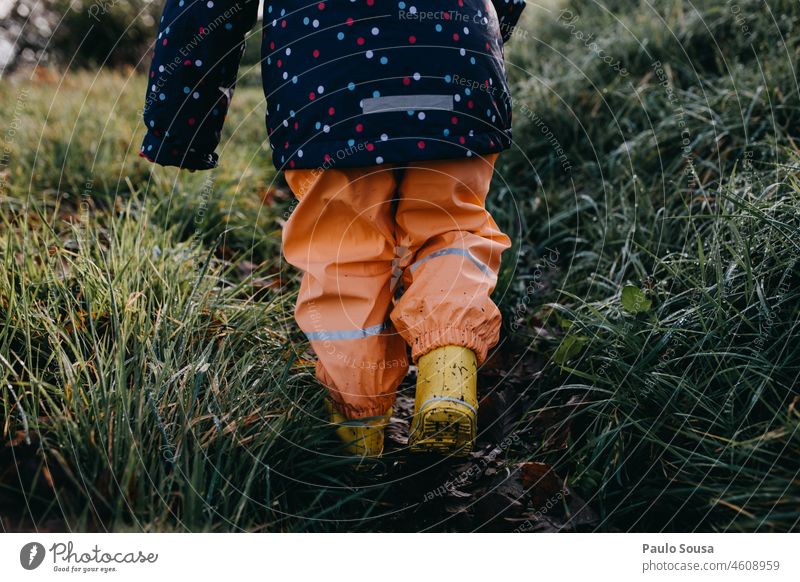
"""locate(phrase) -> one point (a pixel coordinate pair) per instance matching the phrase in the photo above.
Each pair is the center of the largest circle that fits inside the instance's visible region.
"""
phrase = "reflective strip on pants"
(452, 251)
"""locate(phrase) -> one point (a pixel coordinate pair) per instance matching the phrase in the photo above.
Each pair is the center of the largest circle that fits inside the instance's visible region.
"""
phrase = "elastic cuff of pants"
(379, 408)
(451, 336)
(355, 412)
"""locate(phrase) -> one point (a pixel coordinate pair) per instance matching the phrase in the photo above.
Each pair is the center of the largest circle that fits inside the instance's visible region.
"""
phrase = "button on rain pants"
(345, 233)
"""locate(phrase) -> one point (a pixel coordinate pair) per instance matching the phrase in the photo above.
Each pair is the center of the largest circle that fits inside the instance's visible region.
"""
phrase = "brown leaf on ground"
(555, 423)
(494, 363)
(541, 483)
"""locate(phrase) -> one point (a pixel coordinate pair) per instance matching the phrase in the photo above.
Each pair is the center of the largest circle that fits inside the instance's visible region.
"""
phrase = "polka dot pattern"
(348, 82)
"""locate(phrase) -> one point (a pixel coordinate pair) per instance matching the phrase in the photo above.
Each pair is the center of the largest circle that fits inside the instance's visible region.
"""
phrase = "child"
(387, 118)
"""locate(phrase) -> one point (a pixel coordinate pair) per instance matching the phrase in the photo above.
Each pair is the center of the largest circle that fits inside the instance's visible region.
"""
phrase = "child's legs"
(455, 249)
(341, 235)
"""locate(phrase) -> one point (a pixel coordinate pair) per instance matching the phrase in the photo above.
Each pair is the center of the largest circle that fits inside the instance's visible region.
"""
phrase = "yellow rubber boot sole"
(361, 437)
(446, 402)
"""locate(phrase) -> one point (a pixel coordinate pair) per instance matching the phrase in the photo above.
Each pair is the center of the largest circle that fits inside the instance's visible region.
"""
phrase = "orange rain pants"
(351, 229)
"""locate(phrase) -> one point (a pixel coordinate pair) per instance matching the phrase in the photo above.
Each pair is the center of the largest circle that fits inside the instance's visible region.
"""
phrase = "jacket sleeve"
(508, 13)
(192, 78)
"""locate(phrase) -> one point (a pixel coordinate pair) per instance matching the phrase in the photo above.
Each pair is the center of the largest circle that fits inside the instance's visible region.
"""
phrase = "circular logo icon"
(31, 555)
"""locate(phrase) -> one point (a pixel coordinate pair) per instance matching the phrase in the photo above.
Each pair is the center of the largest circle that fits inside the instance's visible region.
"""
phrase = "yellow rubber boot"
(362, 437)
(446, 404)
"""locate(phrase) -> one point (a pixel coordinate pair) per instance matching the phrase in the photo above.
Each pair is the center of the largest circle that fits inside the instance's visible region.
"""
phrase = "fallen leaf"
(634, 300)
(542, 484)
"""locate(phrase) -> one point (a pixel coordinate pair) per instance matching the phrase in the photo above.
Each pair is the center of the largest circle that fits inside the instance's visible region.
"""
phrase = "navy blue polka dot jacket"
(348, 82)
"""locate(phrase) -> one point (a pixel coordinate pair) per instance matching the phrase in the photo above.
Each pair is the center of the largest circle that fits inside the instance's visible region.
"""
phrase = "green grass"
(689, 413)
(148, 350)
(146, 339)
